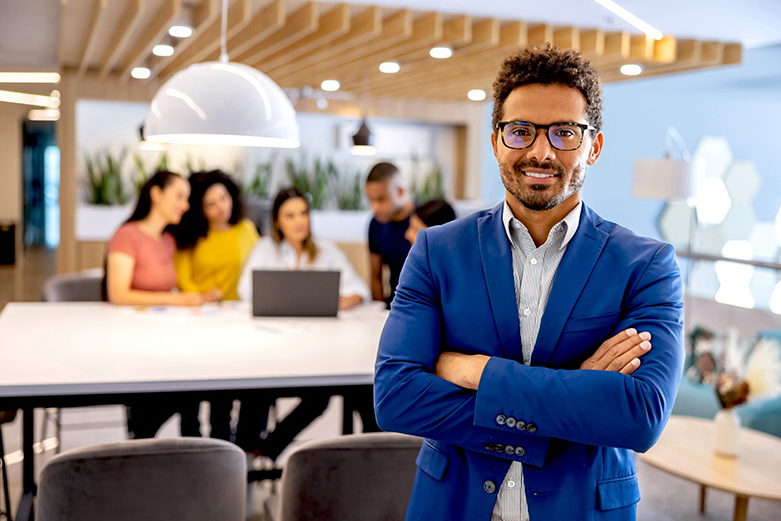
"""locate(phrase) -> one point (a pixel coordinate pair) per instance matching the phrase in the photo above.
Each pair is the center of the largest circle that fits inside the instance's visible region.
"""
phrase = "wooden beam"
(592, 43)
(134, 11)
(330, 26)
(98, 16)
(154, 32)
(297, 26)
(567, 38)
(208, 40)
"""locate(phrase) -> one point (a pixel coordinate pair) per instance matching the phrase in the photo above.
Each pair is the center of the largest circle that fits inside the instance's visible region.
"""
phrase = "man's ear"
(494, 144)
(596, 149)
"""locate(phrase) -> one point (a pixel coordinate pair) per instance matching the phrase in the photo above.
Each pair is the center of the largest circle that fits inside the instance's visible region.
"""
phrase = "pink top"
(154, 269)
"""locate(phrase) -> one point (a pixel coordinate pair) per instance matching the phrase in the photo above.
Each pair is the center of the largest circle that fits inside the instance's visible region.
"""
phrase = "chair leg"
(7, 497)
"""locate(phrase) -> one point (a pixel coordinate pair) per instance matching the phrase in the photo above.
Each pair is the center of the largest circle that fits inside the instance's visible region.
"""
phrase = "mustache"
(525, 164)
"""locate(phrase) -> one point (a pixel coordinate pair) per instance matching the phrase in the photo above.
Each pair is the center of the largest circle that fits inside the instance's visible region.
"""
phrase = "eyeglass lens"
(561, 136)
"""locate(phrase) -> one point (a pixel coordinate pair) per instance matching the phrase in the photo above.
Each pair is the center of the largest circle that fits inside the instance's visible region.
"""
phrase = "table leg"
(741, 508)
(703, 488)
(24, 511)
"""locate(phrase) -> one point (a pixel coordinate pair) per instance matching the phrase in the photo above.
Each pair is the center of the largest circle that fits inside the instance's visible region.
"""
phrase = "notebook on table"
(285, 293)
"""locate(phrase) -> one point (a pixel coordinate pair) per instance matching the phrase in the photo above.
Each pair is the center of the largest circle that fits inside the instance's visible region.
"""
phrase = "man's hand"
(460, 369)
(620, 353)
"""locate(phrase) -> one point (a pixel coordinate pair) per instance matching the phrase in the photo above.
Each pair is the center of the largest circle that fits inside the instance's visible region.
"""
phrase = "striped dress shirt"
(533, 272)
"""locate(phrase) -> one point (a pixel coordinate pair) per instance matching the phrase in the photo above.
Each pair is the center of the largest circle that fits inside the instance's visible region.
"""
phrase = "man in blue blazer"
(519, 343)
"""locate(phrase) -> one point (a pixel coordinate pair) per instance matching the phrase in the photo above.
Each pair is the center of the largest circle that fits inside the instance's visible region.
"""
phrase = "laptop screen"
(289, 293)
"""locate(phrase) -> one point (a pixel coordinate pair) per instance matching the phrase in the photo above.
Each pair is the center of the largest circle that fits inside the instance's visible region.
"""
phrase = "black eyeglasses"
(561, 136)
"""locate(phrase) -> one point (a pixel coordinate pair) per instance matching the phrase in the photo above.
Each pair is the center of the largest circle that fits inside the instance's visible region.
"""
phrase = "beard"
(542, 196)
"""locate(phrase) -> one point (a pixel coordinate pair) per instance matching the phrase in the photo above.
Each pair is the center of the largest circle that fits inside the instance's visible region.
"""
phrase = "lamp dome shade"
(217, 103)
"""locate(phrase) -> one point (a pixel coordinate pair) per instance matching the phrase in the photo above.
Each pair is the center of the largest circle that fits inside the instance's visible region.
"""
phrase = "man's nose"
(541, 149)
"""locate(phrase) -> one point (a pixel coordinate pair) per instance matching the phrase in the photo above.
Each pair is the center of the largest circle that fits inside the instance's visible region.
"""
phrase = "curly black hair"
(194, 224)
(549, 65)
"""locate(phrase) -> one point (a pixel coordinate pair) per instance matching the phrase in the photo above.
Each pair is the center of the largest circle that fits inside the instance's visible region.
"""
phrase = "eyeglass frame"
(584, 127)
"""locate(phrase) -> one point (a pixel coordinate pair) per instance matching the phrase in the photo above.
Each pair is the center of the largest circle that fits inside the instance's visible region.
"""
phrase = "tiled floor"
(665, 498)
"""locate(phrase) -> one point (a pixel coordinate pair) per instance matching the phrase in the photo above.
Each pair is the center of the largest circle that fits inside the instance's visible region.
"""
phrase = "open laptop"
(288, 293)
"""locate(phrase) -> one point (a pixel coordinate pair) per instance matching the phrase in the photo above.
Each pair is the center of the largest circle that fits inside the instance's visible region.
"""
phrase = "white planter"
(98, 222)
(726, 431)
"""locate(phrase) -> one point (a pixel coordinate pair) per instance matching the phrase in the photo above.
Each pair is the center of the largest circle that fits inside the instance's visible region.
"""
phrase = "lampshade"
(220, 103)
(663, 179)
(363, 141)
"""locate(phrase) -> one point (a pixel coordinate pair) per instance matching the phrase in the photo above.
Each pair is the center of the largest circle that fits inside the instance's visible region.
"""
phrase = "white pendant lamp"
(221, 103)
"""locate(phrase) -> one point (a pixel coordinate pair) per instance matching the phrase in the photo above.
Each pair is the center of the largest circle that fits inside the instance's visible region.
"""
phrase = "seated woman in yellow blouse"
(213, 243)
(213, 239)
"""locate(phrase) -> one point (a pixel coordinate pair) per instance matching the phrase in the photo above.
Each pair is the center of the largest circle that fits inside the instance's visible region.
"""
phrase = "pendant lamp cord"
(223, 34)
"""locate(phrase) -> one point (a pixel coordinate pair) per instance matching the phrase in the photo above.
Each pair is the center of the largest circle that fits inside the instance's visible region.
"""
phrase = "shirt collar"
(571, 222)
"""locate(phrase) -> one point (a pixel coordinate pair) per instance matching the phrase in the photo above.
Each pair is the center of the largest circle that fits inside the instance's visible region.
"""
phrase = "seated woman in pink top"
(140, 271)
(140, 263)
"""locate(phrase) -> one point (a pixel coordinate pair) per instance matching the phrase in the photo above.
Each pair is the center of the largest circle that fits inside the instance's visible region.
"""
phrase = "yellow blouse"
(216, 260)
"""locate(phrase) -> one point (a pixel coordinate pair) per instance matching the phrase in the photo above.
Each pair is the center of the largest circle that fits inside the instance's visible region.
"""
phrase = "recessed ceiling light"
(29, 77)
(330, 85)
(631, 69)
(180, 31)
(140, 73)
(390, 67)
(476, 94)
(441, 52)
(162, 50)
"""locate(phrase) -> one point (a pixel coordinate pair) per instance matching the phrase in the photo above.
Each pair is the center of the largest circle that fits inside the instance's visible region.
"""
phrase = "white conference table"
(58, 354)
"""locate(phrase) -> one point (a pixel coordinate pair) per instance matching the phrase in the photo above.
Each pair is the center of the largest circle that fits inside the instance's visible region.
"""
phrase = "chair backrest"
(360, 477)
(155, 479)
(84, 286)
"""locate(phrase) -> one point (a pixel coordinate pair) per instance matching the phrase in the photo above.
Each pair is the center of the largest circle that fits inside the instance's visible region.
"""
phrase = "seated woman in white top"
(292, 246)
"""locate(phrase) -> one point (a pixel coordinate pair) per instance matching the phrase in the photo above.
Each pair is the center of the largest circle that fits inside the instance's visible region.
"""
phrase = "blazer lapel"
(574, 271)
(497, 263)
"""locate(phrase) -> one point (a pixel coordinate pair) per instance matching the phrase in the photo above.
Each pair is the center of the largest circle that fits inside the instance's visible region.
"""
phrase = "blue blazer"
(573, 430)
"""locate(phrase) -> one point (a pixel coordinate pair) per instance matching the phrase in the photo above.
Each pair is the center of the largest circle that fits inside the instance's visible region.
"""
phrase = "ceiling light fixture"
(330, 85)
(390, 67)
(441, 52)
(631, 69)
(476, 94)
(363, 141)
(631, 19)
(163, 50)
(180, 31)
(29, 77)
(222, 103)
(23, 98)
(140, 73)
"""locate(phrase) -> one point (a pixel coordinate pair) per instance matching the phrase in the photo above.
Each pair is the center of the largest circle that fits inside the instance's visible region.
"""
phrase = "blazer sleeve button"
(489, 446)
(520, 425)
(501, 419)
(510, 422)
(499, 447)
(509, 449)
(531, 428)
(520, 451)
(489, 486)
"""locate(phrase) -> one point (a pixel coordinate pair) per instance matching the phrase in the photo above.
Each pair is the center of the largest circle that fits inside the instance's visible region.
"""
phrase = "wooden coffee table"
(685, 449)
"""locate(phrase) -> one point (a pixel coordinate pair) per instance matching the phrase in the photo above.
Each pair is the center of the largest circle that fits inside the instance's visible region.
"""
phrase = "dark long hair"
(194, 224)
(434, 212)
(162, 179)
(281, 198)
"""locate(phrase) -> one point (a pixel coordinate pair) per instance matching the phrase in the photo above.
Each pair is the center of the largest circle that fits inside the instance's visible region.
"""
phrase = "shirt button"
(510, 422)
(517, 225)
(509, 449)
(520, 451)
(520, 425)
(534, 262)
(501, 419)
(527, 312)
(531, 428)
(489, 486)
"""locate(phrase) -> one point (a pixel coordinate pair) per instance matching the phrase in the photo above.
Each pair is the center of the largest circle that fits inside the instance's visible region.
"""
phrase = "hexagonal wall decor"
(742, 181)
(675, 223)
(762, 284)
(715, 154)
(762, 239)
(775, 299)
(713, 201)
(709, 240)
(738, 223)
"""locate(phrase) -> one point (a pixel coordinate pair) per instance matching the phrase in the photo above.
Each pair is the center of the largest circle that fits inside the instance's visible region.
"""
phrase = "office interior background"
(714, 83)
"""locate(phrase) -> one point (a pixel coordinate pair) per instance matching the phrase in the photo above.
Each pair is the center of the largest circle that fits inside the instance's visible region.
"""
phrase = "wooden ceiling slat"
(363, 27)
(665, 50)
(153, 33)
(567, 38)
(132, 16)
(617, 45)
(298, 25)
(458, 29)
(395, 28)
(98, 15)
(592, 43)
(208, 40)
(331, 25)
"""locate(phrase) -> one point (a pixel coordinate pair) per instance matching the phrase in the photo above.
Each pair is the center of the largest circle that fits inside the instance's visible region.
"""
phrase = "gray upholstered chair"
(158, 479)
(5, 417)
(360, 477)
(83, 286)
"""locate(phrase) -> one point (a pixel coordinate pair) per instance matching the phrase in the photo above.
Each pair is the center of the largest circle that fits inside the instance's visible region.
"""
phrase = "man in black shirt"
(392, 207)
